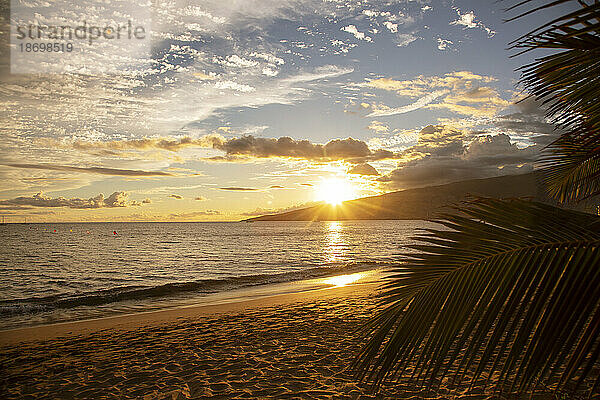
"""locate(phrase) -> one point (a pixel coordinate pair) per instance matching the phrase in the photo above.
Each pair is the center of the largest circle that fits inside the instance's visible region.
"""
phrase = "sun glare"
(343, 280)
(335, 191)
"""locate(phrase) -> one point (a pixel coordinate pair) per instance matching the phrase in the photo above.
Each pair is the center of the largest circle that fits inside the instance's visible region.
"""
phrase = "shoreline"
(221, 304)
(298, 282)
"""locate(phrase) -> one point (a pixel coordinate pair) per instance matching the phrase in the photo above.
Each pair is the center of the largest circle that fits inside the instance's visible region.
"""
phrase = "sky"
(245, 107)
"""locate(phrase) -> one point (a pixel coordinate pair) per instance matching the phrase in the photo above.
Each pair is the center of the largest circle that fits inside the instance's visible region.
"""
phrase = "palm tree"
(507, 292)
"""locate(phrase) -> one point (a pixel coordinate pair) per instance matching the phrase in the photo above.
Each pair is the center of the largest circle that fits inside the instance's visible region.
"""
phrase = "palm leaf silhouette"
(508, 292)
(572, 167)
(567, 82)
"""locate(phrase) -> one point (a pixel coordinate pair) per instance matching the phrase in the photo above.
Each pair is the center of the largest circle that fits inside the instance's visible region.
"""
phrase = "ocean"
(71, 271)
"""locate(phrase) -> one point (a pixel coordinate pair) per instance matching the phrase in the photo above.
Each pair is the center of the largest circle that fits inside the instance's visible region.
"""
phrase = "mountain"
(420, 203)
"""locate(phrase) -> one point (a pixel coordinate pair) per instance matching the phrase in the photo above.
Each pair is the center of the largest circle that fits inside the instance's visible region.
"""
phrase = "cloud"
(200, 198)
(23, 211)
(231, 85)
(404, 39)
(384, 111)
(482, 94)
(184, 87)
(460, 92)
(423, 85)
(249, 146)
(400, 140)
(239, 88)
(355, 32)
(176, 196)
(89, 170)
(439, 140)
(205, 77)
(445, 155)
(168, 144)
(528, 124)
(276, 187)
(270, 58)
(479, 102)
(391, 26)
(194, 214)
(285, 147)
(363, 169)
(194, 11)
(267, 211)
(14, 208)
(269, 71)
(117, 199)
(379, 127)
(443, 44)
(238, 189)
(235, 61)
(469, 21)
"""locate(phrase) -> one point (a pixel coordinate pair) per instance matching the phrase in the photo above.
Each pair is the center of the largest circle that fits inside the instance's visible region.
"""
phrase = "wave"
(34, 305)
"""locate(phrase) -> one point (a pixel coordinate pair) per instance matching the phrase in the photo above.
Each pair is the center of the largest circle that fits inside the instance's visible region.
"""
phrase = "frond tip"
(506, 294)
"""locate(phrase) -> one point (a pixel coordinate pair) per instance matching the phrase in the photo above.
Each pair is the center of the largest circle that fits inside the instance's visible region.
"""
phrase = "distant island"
(421, 203)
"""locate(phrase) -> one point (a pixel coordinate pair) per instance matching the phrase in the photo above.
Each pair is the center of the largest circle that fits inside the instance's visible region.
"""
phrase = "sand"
(282, 347)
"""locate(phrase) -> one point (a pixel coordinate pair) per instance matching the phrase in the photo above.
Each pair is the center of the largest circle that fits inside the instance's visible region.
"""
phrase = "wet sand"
(296, 346)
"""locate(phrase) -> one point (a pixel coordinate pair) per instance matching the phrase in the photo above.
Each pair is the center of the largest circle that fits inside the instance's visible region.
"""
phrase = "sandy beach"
(294, 346)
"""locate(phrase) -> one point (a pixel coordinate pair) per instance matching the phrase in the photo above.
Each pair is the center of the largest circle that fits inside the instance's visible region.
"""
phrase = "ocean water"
(60, 272)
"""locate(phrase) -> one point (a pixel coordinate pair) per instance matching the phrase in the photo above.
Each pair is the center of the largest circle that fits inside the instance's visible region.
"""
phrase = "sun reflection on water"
(344, 280)
(335, 246)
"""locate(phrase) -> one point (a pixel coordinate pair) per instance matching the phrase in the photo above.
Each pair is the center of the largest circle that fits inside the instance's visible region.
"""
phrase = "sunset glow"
(350, 99)
(335, 191)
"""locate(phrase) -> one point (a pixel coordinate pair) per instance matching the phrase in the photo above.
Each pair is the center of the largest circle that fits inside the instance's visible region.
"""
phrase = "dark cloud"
(176, 196)
(363, 169)
(117, 199)
(239, 189)
(528, 121)
(89, 170)
(444, 156)
(338, 149)
(201, 198)
(276, 187)
(498, 150)
(306, 184)
(439, 140)
(437, 171)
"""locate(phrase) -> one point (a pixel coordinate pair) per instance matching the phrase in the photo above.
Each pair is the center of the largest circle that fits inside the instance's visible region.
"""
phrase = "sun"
(335, 191)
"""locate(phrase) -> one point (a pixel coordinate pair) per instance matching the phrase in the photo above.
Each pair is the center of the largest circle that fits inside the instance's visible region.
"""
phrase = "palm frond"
(567, 82)
(572, 167)
(508, 291)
